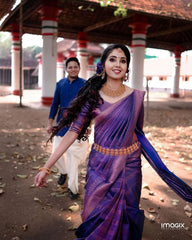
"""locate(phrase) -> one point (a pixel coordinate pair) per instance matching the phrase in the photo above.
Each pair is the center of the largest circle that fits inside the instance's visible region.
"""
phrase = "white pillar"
(60, 66)
(40, 74)
(91, 68)
(176, 75)
(82, 54)
(49, 53)
(139, 29)
(15, 61)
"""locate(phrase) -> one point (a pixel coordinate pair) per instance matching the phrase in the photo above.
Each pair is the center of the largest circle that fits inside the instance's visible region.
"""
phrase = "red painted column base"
(17, 92)
(46, 101)
(174, 95)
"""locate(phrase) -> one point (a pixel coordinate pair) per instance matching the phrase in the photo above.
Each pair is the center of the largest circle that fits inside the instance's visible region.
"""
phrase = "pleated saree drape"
(113, 183)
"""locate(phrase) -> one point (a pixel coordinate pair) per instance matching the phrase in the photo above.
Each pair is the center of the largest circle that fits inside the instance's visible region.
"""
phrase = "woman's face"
(116, 65)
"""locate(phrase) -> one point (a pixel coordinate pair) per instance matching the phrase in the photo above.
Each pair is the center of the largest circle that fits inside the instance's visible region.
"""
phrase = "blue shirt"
(65, 92)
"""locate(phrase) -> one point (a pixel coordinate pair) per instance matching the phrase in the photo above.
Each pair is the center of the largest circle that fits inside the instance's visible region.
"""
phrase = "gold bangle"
(46, 170)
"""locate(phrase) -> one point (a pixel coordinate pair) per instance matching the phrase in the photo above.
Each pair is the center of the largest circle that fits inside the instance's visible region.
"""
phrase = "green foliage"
(31, 52)
(5, 45)
(120, 11)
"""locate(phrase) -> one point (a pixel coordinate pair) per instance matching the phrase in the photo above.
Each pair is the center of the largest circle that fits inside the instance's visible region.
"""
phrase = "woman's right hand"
(40, 179)
(49, 128)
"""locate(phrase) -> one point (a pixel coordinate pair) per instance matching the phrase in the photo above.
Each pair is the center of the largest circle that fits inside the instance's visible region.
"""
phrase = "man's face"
(72, 69)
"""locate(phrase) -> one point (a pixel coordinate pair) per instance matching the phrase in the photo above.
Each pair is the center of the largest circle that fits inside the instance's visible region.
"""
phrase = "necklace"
(113, 93)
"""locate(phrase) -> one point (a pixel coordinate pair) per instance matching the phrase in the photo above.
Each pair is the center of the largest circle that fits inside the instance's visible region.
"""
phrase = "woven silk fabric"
(113, 183)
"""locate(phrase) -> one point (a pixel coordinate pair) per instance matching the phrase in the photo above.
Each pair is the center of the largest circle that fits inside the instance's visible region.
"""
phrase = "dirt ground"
(28, 213)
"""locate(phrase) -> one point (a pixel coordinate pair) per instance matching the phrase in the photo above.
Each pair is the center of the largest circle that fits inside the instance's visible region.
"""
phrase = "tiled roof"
(168, 8)
(170, 21)
(68, 44)
(5, 7)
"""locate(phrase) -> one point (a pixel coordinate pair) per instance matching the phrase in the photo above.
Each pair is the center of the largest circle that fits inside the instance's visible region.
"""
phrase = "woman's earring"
(103, 75)
(126, 77)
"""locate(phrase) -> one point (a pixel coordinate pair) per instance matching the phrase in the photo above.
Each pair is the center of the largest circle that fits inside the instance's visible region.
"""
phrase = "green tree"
(31, 52)
(5, 45)
(5, 48)
(120, 11)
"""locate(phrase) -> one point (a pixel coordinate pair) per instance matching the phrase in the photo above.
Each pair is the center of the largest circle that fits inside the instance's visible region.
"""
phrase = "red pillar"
(82, 54)
(139, 32)
(70, 54)
(49, 11)
(60, 66)
(91, 67)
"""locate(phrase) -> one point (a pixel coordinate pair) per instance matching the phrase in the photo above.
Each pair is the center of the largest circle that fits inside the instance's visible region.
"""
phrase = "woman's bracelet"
(46, 170)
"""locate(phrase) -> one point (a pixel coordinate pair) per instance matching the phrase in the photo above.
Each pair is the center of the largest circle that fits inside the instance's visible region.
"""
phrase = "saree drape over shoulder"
(113, 183)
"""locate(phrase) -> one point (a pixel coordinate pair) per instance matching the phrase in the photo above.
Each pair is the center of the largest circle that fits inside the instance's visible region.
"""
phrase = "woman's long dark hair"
(89, 93)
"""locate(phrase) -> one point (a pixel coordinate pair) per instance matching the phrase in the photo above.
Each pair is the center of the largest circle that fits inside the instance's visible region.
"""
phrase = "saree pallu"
(113, 183)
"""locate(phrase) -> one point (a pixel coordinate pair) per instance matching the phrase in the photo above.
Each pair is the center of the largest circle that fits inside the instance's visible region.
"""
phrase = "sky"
(31, 40)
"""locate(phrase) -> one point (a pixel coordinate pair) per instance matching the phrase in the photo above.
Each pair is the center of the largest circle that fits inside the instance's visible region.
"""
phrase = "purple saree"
(113, 183)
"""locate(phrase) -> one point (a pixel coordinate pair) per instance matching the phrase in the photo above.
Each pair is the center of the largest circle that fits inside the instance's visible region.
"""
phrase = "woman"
(113, 183)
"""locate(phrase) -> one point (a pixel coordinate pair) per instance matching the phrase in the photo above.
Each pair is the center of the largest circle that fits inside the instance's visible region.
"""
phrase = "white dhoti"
(69, 162)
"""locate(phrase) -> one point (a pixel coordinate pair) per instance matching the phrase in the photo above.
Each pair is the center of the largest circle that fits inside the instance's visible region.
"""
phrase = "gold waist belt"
(116, 152)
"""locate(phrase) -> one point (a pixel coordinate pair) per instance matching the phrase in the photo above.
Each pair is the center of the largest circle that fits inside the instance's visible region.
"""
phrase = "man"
(66, 90)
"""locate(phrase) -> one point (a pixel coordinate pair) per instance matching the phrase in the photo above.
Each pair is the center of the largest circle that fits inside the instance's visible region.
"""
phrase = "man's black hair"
(72, 59)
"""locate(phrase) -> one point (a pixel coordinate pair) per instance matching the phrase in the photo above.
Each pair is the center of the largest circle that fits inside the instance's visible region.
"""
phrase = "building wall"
(30, 82)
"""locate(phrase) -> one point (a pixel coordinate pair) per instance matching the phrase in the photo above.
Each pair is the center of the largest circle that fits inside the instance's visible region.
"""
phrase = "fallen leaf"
(40, 157)
(15, 238)
(2, 185)
(25, 227)
(29, 158)
(68, 219)
(53, 194)
(74, 208)
(49, 180)
(36, 167)
(22, 176)
(2, 155)
(145, 186)
(187, 168)
(60, 195)
(83, 173)
(182, 160)
(175, 202)
(151, 193)
(151, 210)
(82, 181)
(17, 155)
(37, 200)
(145, 198)
(151, 218)
(189, 214)
(188, 208)
(1, 191)
(31, 147)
